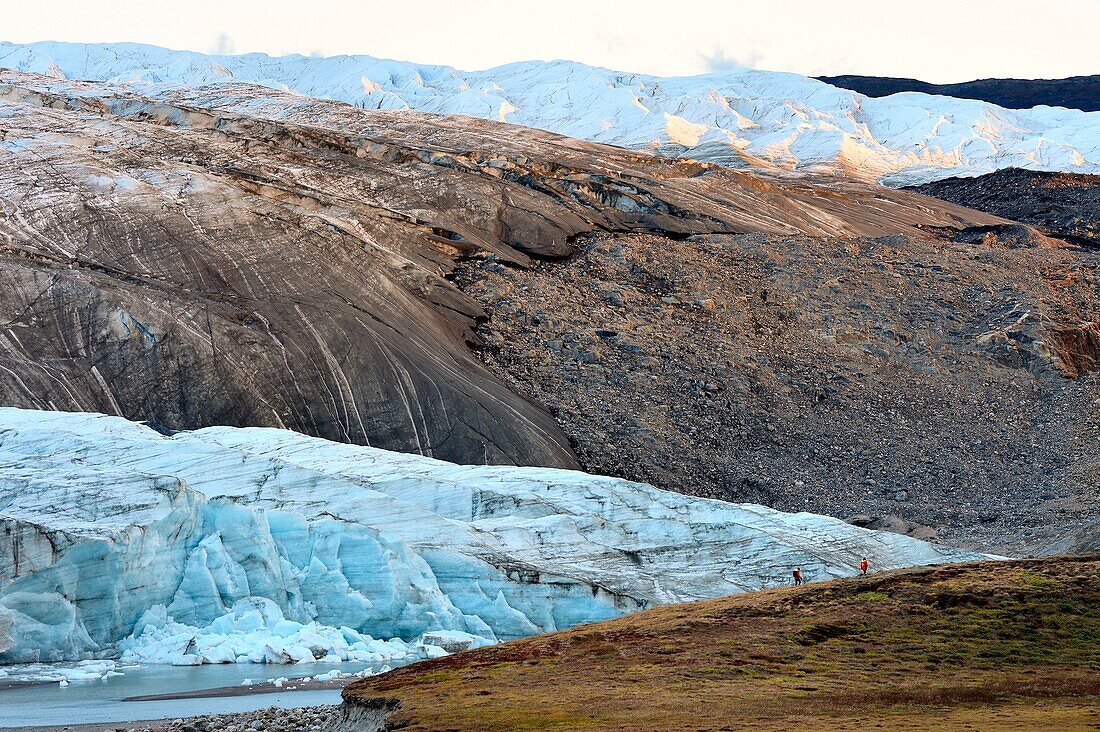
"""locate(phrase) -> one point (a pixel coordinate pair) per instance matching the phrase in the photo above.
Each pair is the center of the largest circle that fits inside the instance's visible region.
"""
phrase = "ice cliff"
(117, 538)
(740, 117)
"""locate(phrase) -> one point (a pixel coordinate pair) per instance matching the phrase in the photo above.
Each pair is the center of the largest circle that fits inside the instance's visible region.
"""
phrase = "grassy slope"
(1010, 645)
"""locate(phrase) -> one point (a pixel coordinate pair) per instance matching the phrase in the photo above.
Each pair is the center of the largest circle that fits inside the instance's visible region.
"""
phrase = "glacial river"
(102, 700)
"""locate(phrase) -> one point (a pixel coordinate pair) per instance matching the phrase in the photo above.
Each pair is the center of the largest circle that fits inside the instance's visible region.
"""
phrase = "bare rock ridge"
(1062, 205)
(233, 255)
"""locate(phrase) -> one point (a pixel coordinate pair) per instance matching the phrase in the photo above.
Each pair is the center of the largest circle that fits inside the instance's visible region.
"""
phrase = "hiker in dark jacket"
(798, 576)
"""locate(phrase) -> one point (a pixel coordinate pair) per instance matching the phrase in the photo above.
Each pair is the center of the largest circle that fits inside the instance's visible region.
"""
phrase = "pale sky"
(934, 40)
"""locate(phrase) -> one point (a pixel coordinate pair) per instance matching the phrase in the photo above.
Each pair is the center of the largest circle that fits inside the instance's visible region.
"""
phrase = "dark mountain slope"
(233, 255)
(1076, 92)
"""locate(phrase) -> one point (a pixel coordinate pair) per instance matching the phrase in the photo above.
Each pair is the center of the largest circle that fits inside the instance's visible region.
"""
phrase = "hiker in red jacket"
(863, 566)
(798, 576)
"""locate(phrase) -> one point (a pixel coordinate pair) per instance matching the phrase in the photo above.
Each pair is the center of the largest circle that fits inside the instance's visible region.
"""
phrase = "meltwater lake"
(103, 700)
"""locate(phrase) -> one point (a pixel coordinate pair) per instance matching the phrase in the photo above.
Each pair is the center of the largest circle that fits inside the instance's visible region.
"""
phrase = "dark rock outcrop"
(896, 524)
(1085, 540)
(1062, 205)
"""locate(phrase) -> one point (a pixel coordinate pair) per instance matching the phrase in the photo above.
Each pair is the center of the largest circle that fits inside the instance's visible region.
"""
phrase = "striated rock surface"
(233, 255)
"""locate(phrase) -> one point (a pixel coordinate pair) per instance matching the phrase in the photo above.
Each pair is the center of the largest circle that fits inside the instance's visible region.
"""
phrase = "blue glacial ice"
(263, 545)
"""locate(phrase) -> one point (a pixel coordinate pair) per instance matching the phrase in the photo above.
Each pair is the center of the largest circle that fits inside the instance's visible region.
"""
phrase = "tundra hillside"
(989, 645)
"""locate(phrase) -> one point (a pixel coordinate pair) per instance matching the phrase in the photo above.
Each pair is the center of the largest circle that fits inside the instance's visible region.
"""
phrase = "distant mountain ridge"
(743, 117)
(1075, 92)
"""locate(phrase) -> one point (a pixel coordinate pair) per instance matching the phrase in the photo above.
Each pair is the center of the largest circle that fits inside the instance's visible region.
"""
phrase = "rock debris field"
(273, 719)
(948, 387)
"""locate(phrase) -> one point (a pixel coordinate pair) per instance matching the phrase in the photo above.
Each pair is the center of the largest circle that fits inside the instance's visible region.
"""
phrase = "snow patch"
(682, 132)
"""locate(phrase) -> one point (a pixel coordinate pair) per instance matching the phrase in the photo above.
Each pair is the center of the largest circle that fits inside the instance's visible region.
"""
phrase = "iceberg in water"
(255, 631)
(228, 544)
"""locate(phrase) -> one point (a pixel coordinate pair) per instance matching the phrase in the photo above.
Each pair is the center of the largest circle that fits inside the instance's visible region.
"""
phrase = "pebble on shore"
(272, 719)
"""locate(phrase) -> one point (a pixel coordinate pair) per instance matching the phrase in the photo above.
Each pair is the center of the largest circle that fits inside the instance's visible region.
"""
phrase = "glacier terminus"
(264, 545)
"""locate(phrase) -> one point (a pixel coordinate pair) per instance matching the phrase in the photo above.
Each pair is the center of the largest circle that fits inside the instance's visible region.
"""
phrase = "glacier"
(742, 117)
(265, 545)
